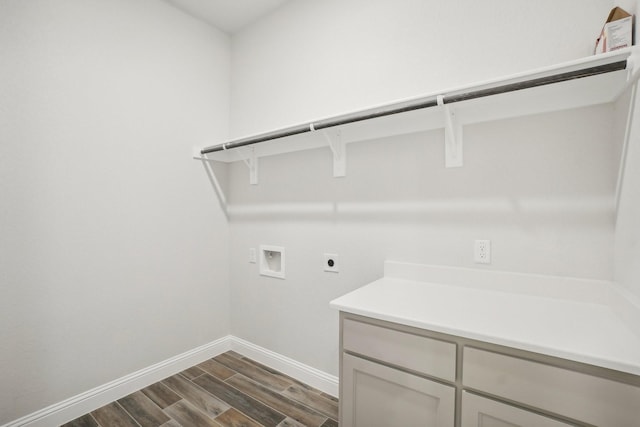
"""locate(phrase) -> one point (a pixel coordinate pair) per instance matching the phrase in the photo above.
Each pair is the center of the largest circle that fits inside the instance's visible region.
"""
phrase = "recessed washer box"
(272, 261)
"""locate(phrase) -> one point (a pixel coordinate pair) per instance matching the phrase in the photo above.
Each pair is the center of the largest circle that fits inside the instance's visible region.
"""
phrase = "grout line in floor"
(125, 411)
(322, 414)
(94, 419)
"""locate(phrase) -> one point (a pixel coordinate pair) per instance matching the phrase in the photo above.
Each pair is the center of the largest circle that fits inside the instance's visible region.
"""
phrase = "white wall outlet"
(482, 252)
(252, 255)
(331, 263)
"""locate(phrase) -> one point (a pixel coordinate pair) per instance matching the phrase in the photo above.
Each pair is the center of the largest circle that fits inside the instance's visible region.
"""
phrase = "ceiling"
(227, 15)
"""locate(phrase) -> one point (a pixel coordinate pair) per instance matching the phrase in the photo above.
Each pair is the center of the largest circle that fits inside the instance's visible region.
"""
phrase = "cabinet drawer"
(421, 354)
(576, 395)
(481, 412)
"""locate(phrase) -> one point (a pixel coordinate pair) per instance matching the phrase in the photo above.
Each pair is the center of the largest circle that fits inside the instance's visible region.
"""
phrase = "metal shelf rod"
(417, 104)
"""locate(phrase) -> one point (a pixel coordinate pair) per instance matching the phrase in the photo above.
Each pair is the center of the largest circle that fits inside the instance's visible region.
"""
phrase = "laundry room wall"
(541, 188)
(627, 235)
(311, 59)
(113, 246)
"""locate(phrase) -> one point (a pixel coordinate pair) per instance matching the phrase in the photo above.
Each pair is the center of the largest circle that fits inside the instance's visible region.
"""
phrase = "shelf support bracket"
(452, 136)
(209, 168)
(625, 143)
(337, 146)
(251, 160)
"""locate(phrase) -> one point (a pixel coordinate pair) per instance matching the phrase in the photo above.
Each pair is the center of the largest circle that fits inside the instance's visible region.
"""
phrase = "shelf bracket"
(337, 146)
(625, 144)
(251, 160)
(452, 136)
(209, 168)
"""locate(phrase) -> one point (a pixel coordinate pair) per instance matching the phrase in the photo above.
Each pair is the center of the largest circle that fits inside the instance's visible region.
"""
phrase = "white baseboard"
(308, 375)
(88, 401)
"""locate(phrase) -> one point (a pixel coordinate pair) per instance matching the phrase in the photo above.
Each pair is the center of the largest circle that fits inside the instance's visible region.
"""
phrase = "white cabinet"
(380, 396)
(396, 375)
(591, 399)
(478, 411)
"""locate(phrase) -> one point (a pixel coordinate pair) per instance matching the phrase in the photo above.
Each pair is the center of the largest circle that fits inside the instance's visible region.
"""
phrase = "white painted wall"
(113, 248)
(541, 188)
(312, 59)
(627, 237)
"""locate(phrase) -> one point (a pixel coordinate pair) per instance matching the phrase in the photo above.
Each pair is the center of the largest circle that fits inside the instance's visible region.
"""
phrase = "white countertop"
(580, 320)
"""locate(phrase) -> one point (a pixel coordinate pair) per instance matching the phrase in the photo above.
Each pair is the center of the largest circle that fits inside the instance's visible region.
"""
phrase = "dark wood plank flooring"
(229, 390)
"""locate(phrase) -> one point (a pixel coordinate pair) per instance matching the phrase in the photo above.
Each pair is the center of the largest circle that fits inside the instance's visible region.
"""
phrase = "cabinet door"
(480, 412)
(375, 395)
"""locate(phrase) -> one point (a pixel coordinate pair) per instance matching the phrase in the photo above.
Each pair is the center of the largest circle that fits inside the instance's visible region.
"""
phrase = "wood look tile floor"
(229, 390)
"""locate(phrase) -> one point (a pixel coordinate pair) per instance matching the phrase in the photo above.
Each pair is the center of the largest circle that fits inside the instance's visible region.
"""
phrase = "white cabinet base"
(394, 375)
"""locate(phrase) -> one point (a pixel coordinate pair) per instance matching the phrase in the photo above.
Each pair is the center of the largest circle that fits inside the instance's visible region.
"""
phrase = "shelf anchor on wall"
(452, 136)
(339, 152)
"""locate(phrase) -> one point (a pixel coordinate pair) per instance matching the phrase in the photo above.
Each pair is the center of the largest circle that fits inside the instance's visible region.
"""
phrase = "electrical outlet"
(331, 263)
(482, 252)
